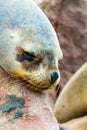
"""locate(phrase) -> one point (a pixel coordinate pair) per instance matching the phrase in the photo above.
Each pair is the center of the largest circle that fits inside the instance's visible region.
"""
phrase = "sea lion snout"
(54, 77)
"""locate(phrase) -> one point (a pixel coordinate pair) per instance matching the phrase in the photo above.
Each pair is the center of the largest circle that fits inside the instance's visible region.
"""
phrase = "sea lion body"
(75, 124)
(72, 101)
(29, 48)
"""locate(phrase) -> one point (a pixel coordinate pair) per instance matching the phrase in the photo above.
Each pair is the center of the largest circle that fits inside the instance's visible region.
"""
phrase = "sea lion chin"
(29, 48)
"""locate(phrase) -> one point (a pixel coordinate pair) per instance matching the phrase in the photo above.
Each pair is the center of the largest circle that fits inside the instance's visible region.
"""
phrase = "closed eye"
(25, 56)
(28, 56)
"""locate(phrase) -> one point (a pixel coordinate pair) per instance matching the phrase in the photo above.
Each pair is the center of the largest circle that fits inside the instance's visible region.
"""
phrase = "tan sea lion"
(76, 124)
(29, 48)
(72, 101)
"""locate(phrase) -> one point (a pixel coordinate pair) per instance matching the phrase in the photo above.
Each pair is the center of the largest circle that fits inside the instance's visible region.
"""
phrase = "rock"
(23, 109)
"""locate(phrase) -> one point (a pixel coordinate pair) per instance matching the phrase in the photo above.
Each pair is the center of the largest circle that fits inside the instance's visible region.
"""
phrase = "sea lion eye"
(25, 56)
(28, 56)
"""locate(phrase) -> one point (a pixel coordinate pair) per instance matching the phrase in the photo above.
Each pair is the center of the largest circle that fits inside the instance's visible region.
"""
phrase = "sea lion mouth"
(30, 85)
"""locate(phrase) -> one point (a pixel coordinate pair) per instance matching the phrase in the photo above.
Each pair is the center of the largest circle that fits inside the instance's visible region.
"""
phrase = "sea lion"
(75, 124)
(72, 101)
(29, 48)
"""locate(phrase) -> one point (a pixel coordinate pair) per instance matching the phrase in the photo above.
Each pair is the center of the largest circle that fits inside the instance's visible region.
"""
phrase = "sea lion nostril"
(54, 77)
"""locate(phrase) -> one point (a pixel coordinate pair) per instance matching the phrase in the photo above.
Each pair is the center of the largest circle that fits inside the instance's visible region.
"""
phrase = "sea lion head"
(29, 48)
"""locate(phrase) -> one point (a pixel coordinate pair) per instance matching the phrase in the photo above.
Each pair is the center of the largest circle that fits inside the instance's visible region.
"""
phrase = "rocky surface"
(23, 109)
